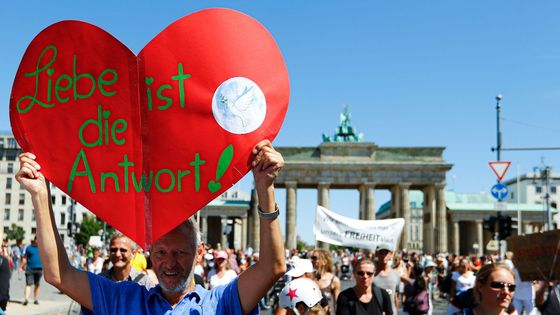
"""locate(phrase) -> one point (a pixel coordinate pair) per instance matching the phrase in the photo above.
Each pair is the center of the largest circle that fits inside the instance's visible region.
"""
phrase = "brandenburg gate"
(364, 166)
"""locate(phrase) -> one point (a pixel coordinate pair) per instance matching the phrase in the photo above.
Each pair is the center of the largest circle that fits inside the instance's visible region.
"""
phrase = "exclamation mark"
(223, 164)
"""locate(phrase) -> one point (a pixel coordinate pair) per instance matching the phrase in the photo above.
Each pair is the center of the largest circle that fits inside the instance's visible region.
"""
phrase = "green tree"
(300, 245)
(90, 226)
(15, 232)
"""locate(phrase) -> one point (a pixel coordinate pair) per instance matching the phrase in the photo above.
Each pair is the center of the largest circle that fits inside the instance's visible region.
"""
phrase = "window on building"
(12, 144)
(63, 200)
(11, 155)
(552, 189)
(21, 198)
(6, 214)
(10, 168)
(8, 199)
(33, 215)
(511, 195)
(62, 218)
(538, 189)
(9, 183)
(33, 231)
(53, 200)
(6, 230)
(20, 215)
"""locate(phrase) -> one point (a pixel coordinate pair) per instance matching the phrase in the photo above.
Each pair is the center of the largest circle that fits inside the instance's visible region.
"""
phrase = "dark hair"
(420, 283)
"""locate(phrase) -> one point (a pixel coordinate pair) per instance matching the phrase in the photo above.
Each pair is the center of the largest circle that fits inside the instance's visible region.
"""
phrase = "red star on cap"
(292, 294)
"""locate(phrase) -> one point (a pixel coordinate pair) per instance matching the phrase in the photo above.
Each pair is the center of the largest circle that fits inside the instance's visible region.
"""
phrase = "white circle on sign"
(239, 105)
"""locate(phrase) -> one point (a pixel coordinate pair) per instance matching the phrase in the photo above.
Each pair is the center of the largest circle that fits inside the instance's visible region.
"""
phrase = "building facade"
(16, 202)
(465, 214)
(532, 188)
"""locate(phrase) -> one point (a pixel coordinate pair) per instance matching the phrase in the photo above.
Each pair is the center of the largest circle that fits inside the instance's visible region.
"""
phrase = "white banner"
(342, 231)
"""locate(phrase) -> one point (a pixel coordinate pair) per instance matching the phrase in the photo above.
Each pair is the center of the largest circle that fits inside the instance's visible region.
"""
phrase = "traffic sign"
(499, 191)
(500, 168)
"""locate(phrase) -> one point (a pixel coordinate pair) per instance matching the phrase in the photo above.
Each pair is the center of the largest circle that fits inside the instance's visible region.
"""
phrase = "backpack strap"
(138, 277)
(378, 297)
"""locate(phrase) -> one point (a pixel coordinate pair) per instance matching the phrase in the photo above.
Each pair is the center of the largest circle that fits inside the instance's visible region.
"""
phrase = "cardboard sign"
(537, 256)
(146, 141)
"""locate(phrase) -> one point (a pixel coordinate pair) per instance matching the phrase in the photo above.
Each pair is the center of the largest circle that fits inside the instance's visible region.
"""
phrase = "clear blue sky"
(414, 73)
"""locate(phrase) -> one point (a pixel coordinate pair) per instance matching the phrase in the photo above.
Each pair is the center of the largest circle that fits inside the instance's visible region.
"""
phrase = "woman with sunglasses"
(328, 282)
(492, 293)
(364, 298)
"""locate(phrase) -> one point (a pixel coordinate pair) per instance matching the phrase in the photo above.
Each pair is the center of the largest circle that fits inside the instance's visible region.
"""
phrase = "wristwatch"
(269, 215)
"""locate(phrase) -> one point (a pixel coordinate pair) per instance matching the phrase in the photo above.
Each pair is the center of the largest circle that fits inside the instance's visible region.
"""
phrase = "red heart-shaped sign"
(146, 141)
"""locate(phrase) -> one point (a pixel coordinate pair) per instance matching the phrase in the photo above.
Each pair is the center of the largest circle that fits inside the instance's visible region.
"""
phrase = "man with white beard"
(173, 256)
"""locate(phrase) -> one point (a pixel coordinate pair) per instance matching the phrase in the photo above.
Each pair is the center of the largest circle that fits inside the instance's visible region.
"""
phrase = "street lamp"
(499, 132)
(545, 176)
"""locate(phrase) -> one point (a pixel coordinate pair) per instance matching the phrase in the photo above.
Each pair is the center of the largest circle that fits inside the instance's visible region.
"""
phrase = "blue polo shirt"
(33, 259)
(110, 297)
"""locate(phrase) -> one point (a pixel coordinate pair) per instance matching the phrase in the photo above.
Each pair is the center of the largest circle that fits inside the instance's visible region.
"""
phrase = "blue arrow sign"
(499, 191)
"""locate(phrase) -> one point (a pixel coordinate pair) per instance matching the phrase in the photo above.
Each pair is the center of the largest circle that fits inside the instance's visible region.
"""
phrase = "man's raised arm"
(56, 267)
(255, 282)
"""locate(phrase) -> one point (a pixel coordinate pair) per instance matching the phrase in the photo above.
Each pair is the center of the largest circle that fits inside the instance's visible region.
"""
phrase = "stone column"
(323, 194)
(291, 202)
(480, 237)
(428, 216)
(204, 227)
(244, 232)
(223, 239)
(405, 211)
(255, 225)
(441, 223)
(367, 193)
(396, 201)
(362, 214)
(455, 233)
(236, 230)
(323, 200)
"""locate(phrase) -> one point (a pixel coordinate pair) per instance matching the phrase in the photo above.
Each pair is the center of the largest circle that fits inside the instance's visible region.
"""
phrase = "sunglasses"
(363, 273)
(114, 250)
(501, 285)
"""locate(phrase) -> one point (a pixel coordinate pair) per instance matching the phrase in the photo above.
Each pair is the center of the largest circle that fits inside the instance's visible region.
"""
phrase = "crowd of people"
(384, 282)
(173, 275)
(409, 283)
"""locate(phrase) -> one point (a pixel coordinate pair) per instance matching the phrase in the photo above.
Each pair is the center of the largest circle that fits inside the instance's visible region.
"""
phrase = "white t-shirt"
(198, 270)
(524, 290)
(96, 266)
(463, 282)
(225, 279)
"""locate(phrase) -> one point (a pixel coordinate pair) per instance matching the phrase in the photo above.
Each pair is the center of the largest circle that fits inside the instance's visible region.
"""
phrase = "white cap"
(382, 246)
(429, 263)
(300, 267)
(300, 290)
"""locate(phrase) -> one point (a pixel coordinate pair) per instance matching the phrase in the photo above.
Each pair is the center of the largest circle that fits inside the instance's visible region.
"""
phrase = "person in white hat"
(385, 276)
(302, 297)
(300, 268)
